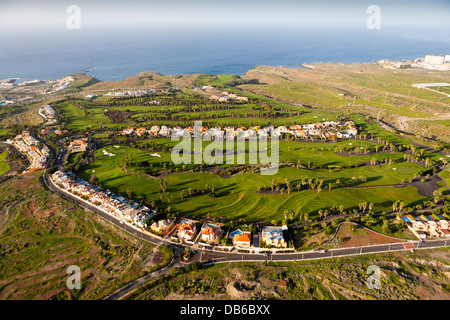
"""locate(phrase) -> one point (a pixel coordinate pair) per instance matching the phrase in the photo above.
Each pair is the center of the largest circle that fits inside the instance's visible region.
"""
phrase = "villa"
(140, 131)
(140, 218)
(241, 238)
(162, 226)
(186, 229)
(273, 237)
(78, 145)
(210, 232)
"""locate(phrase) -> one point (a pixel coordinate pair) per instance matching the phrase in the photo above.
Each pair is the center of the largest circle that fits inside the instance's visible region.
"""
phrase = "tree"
(129, 193)
(437, 195)
(364, 206)
(401, 205)
(395, 206)
(187, 253)
(93, 179)
(306, 216)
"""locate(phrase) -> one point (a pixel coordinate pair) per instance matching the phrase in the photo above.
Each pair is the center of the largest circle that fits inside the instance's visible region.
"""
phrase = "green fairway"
(350, 171)
(237, 196)
(4, 167)
(83, 120)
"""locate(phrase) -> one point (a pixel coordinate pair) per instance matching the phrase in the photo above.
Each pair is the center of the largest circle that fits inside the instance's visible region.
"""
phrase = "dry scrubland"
(359, 88)
(418, 275)
(42, 234)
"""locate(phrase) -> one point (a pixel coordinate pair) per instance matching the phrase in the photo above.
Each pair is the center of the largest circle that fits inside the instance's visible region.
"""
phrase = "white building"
(434, 59)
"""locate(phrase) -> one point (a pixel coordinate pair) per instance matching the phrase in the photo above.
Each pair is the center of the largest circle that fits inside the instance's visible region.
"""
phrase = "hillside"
(41, 234)
(360, 88)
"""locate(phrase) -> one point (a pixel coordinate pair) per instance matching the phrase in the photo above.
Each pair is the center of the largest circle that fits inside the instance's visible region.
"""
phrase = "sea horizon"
(118, 54)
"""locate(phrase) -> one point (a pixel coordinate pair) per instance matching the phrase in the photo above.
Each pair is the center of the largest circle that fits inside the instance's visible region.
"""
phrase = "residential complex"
(130, 93)
(115, 205)
(440, 63)
(321, 130)
(36, 152)
(425, 227)
(60, 84)
(49, 114)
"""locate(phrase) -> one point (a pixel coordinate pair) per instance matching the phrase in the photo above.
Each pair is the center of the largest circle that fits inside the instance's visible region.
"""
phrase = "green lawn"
(4, 167)
(83, 120)
(236, 196)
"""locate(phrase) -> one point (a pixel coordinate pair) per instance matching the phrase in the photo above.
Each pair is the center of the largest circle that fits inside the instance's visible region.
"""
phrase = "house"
(273, 236)
(210, 232)
(242, 238)
(244, 99)
(224, 99)
(165, 131)
(127, 131)
(78, 145)
(162, 226)
(59, 132)
(154, 130)
(186, 229)
(140, 218)
(140, 131)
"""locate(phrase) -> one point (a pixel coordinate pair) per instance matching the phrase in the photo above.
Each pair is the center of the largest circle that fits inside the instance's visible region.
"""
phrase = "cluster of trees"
(116, 116)
(308, 183)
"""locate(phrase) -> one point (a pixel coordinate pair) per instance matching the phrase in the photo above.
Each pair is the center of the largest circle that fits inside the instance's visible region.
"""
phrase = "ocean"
(117, 54)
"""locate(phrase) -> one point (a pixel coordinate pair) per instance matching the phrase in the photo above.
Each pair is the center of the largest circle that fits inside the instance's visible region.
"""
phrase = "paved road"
(130, 287)
(209, 257)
